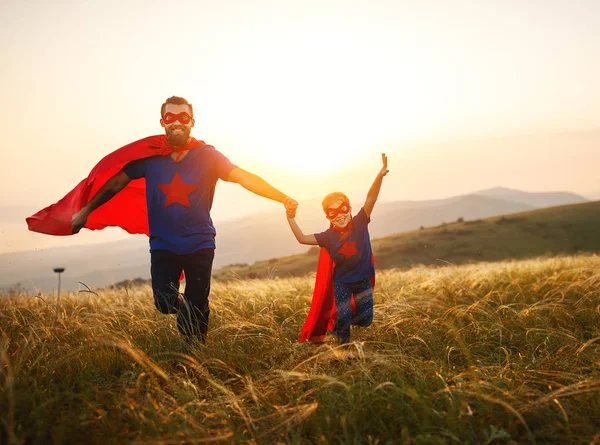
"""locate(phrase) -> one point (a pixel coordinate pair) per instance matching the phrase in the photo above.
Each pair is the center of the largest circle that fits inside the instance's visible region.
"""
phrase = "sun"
(308, 109)
(320, 154)
(300, 138)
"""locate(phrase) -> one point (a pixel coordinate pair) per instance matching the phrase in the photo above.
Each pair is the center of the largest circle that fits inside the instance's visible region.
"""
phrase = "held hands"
(78, 221)
(290, 207)
(384, 170)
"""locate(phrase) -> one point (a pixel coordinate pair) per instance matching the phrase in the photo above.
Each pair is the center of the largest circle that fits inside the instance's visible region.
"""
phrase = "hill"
(245, 240)
(556, 230)
(538, 199)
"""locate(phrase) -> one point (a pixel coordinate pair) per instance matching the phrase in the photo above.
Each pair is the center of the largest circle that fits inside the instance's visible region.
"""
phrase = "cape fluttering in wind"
(127, 209)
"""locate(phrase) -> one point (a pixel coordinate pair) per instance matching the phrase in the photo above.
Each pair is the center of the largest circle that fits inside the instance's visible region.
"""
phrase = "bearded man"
(179, 178)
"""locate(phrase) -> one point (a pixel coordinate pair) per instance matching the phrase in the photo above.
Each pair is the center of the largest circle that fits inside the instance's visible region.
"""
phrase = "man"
(179, 192)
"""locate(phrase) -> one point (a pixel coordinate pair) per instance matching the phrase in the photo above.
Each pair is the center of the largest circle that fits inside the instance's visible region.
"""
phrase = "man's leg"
(363, 298)
(192, 319)
(343, 311)
(165, 269)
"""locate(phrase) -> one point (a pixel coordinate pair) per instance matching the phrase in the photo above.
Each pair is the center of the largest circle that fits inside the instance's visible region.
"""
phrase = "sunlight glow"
(312, 119)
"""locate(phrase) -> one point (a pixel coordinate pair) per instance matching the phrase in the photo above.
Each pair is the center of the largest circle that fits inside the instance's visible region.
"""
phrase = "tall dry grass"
(478, 354)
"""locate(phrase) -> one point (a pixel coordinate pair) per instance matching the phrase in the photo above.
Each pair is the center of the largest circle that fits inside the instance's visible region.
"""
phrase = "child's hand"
(290, 207)
(384, 170)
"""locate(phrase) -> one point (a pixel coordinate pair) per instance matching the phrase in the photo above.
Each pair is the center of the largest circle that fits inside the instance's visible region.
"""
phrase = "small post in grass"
(58, 270)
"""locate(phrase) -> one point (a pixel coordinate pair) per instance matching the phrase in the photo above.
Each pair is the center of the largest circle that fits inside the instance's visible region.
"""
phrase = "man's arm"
(374, 190)
(301, 237)
(257, 185)
(113, 186)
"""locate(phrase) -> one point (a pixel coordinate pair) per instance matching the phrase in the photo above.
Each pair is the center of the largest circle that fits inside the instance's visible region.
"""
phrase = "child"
(352, 271)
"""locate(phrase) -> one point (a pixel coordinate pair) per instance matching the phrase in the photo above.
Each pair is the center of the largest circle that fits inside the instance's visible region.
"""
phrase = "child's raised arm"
(374, 190)
(301, 237)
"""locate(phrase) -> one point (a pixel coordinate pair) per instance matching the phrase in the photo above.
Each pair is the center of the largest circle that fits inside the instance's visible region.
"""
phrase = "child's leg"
(363, 298)
(343, 310)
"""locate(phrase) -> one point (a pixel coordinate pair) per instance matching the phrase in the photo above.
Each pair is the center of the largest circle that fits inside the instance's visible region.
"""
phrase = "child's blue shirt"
(353, 256)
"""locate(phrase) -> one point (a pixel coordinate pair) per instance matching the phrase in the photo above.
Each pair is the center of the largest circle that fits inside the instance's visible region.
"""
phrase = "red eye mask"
(333, 213)
(182, 117)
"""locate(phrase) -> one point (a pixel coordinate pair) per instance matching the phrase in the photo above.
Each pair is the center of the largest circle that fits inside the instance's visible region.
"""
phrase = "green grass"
(558, 230)
(488, 353)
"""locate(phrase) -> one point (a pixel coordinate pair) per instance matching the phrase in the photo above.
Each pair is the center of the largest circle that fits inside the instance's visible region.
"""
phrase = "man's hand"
(384, 170)
(290, 207)
(78, 221)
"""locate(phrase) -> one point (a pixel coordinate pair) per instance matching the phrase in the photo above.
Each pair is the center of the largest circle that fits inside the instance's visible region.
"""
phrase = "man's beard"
(178, 138)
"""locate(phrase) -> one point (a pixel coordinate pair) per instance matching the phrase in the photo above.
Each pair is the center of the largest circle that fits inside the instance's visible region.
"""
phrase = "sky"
(461, 95)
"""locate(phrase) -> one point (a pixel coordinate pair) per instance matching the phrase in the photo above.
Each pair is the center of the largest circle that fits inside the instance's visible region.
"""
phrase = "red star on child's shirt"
(177, 191)
(348, 249)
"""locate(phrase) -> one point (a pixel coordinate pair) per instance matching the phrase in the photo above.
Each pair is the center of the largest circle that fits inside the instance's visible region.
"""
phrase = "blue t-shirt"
(179, 196)
(352, 257)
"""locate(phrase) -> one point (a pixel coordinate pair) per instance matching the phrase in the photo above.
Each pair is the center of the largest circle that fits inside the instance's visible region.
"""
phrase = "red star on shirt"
(177, 191)
(348, 249)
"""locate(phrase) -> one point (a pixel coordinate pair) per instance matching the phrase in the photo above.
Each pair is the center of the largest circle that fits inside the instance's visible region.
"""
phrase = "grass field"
(488, 353)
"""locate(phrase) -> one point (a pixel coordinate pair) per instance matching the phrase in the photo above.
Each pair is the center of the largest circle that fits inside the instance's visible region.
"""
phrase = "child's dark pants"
(363, 297)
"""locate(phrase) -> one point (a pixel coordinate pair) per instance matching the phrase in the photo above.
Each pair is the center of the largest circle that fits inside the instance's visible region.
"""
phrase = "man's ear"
(193, 122)
(162, 123)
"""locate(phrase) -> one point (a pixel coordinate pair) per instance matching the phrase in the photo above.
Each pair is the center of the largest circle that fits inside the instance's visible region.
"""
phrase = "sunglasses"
(182, 117)
(333, 213)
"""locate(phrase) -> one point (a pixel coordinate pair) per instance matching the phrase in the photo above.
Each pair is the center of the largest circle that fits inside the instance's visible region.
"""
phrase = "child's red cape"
(127, 209)
(322, 315)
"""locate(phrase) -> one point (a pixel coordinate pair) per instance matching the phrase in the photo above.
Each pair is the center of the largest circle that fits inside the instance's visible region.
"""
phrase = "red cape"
(322, 314)
(127, 209)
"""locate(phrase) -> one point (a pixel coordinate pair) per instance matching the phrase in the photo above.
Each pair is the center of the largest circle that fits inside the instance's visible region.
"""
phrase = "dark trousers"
(363, 297)
(191, 308)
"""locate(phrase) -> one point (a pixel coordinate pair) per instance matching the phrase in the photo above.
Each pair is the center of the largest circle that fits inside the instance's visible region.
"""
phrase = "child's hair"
(332, 197)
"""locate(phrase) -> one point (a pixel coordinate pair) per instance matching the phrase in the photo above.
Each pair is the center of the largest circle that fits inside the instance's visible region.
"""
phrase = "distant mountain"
(468, 207)
(267, 235)
(259, 237)
(558, 230)
(95, 265)
(534, 199)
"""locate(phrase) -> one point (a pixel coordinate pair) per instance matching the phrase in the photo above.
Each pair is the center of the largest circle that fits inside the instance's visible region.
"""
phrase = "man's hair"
(332, 197)
(176, 100)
